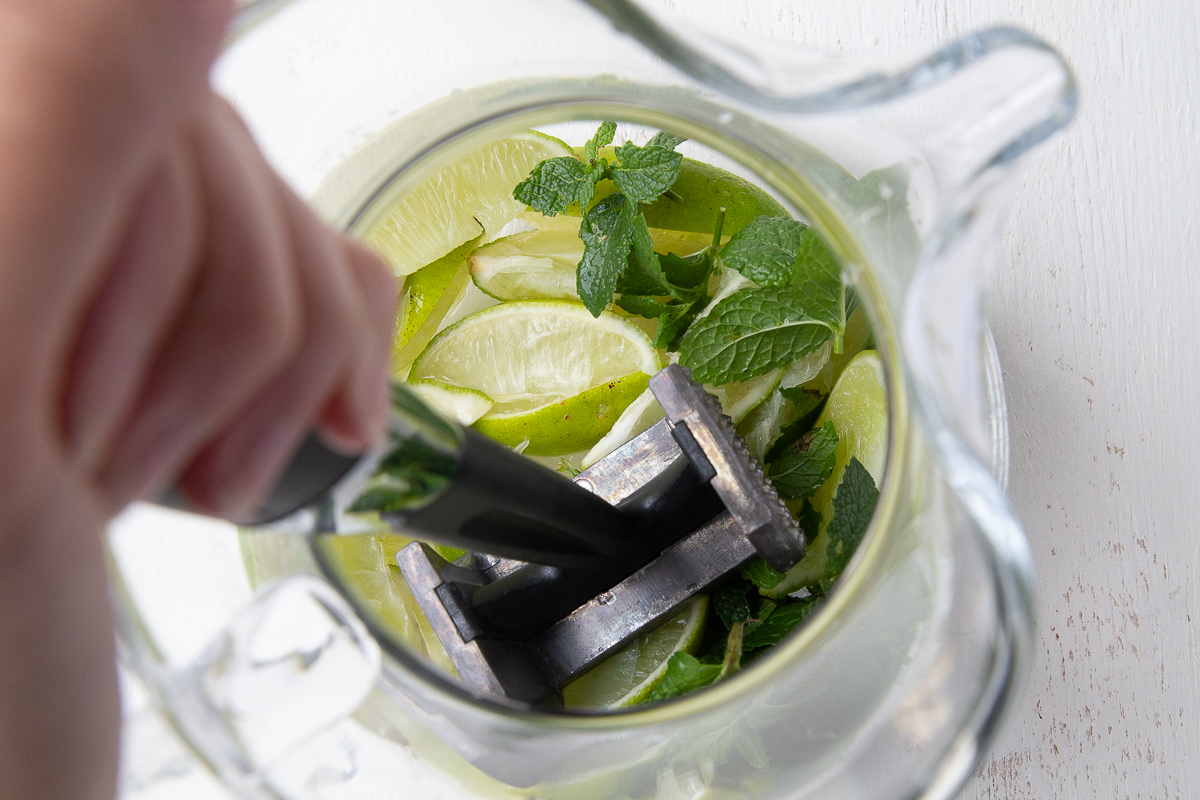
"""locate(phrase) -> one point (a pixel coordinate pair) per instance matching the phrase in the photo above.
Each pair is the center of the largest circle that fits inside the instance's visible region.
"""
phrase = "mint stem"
(733, 651)
(672, 195)
(717, 233)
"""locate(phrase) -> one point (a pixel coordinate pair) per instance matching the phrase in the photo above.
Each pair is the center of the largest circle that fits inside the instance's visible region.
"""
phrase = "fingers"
(93, 90)
(284, 327)
(363, 399)
(339, 356)
(242, 323)
(131, 313)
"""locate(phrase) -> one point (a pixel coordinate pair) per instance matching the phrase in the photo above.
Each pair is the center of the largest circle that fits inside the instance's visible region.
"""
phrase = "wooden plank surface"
(1094, 304)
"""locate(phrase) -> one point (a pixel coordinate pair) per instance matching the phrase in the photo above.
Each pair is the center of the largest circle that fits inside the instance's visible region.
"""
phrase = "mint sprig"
(614, 233)
(604, 136)
(557, 183)
(760, 574)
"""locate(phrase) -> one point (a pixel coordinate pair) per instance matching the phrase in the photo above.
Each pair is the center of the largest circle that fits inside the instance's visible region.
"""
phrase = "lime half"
(627, 678)
(469, 197)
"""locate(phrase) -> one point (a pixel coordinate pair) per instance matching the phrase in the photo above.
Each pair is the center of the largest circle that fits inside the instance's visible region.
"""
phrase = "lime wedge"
(738, 399)
(464, 406)
(542, 262)
(527, 354)
(569, 425)
(428, 295)
(470, 196)
(363, 564)
(628, 677)
(636, 418)
(526, 265)
(858, 409)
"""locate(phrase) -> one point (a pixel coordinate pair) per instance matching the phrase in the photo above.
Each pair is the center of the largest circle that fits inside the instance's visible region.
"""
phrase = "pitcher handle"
(794, 81)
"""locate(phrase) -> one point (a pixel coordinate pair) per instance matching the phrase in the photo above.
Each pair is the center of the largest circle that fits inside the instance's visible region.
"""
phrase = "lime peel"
(628, 677)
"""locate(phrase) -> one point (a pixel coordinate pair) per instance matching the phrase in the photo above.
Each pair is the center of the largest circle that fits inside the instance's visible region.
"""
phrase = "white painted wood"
(1093, 307)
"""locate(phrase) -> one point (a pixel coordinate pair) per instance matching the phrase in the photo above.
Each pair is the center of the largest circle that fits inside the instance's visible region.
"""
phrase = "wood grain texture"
(1093, 305)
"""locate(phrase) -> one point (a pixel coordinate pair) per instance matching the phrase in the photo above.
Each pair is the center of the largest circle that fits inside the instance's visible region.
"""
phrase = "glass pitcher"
(284, 688)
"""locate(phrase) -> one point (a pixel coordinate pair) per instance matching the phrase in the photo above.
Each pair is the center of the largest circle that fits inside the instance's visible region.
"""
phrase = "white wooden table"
(1093, 310)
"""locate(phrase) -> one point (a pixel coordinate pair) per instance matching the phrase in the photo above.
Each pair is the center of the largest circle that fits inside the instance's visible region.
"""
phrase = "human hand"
(170, 312)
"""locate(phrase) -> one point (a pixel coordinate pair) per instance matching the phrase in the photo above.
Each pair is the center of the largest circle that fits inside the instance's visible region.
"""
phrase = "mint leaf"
(853, 506)
(684, 674)
(806, 401)
(604, 136)
(805, 464)
(751, 332)
(809, 521)
(818, 275)
(783, 620)
(688, 272)
(645, 172)
(674, 322)
(642, 305)
(644, 262)
(764, 608)
(808, 404)
(667, 140)
(765, 250)
(757, 572)
(607, 234)
(730, 602)
(555, 184)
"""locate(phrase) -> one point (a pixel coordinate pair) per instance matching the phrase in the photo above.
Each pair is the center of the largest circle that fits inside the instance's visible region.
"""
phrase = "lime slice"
(539, 263)
(738, 399)
(543, 262)
(636, 418)
(628, 677)
(858, 409)
(702, 190)
(527, 354)
(470, 196)
(364, 565)
(428, 295)
(461, 405)
(569, 425)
